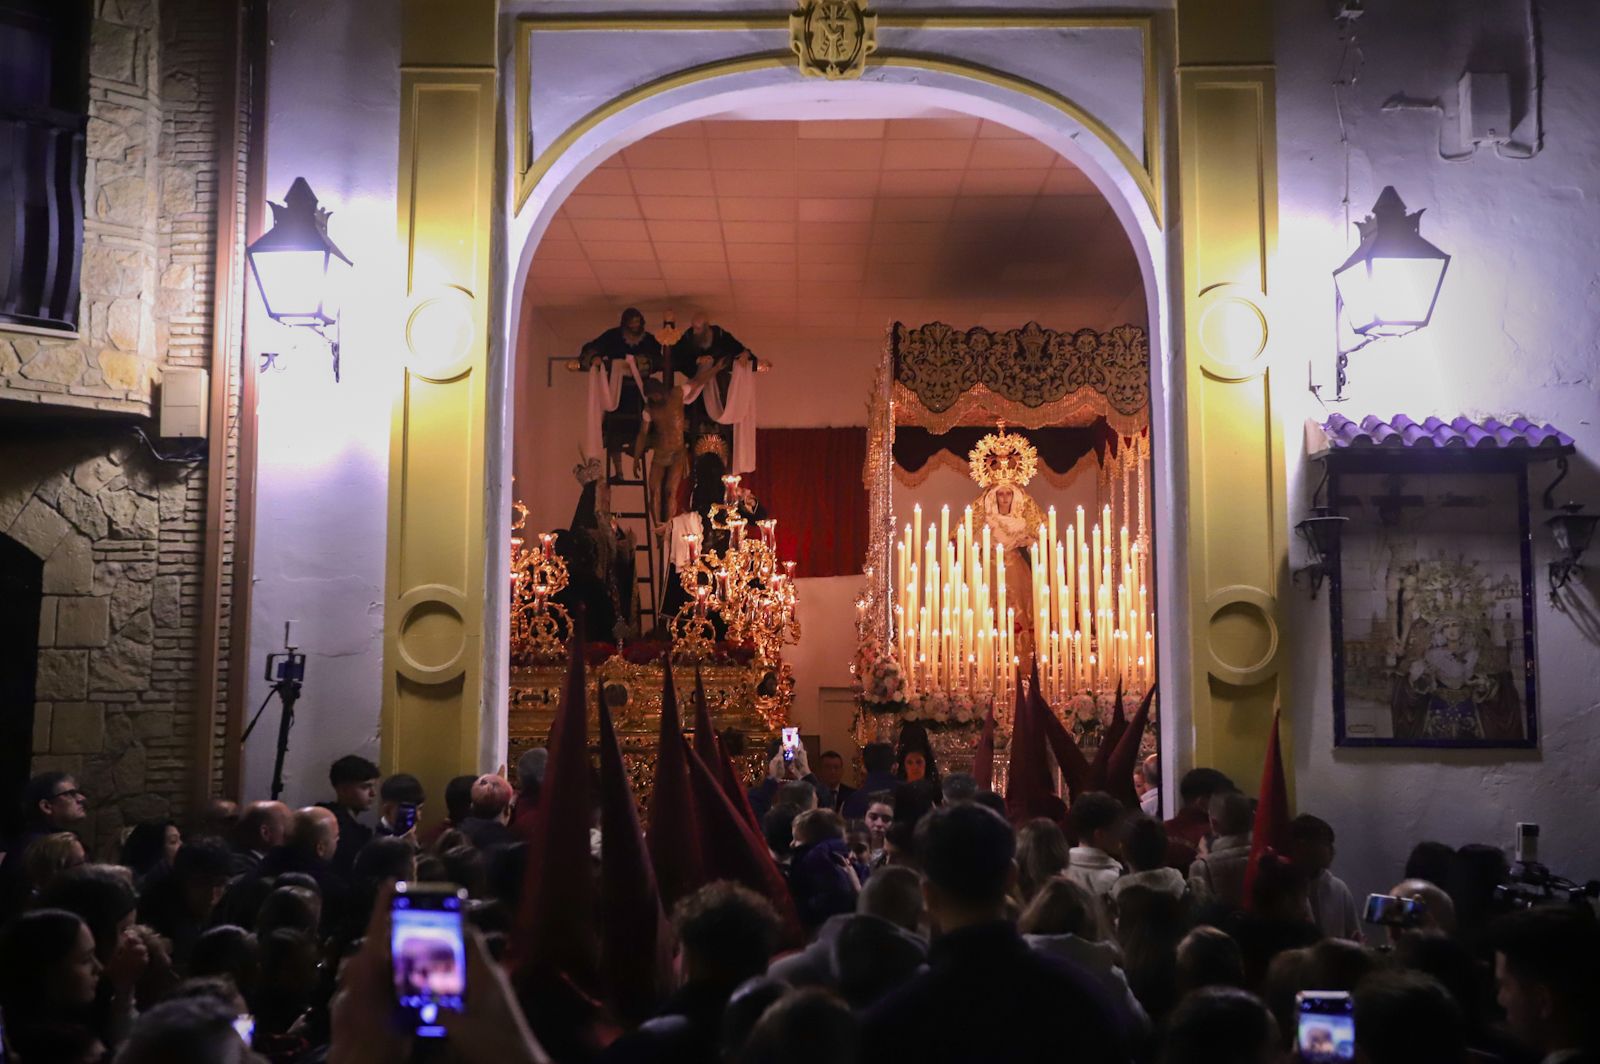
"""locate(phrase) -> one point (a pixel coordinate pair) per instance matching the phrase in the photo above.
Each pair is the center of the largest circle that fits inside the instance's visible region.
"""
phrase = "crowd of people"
(912, 921)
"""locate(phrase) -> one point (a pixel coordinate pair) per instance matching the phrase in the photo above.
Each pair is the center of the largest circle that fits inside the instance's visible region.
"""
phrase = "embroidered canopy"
(1032, 377)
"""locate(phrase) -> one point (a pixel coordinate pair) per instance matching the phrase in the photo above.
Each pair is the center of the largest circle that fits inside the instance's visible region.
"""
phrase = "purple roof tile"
(1462, 433)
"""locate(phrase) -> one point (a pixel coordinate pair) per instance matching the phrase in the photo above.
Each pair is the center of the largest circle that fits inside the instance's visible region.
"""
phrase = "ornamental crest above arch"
(833, 37)
(1030, 376)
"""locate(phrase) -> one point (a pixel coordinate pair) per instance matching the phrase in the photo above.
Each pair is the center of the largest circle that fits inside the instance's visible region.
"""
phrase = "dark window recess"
(43, 113)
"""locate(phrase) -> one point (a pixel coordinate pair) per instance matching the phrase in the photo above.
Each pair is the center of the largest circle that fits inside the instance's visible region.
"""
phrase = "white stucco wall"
(322, 480)
(1516, 331)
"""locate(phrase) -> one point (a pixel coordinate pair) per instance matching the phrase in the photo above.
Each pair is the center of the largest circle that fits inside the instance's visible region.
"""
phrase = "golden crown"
(1001, 458)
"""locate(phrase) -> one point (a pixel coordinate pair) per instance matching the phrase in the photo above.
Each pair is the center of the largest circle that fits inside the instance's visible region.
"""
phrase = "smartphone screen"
(245, 1025)
(1327, 1029)
(1392, 910)
(791, 742)
(405, 818)
(429, 954)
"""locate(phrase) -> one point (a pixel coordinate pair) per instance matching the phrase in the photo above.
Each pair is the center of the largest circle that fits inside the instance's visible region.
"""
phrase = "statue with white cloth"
(618, 362)
(720, 409)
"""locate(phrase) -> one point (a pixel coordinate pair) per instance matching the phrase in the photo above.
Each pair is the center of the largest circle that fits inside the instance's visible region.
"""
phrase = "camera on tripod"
(286, 666)
(1531, 883)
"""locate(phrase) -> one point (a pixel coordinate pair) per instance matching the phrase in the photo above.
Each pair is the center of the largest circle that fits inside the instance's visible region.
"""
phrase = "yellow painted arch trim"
(538, 167)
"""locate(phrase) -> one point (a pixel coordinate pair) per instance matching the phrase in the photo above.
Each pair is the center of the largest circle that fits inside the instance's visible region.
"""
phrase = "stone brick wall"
(111, 363)
(121, 530)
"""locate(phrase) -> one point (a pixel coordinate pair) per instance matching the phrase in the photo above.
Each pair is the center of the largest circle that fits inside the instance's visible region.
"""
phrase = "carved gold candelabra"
(539, 625)
(745, 584)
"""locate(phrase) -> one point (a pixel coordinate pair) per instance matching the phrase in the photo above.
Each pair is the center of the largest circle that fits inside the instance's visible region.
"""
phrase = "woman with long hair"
(48, 983)
(150, 848)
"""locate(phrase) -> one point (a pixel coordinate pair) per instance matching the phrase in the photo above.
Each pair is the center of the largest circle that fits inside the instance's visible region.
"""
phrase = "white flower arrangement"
(948, 707)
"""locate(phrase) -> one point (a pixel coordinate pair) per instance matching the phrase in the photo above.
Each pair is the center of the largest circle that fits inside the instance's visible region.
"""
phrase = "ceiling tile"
(586, 206)
(907, 232)
(914, 208)
(691, 232)
(609, 229)
(607, 183)
(823, 293)
(675, 270)
(758, 232)
(679, 208)
(926, 154)
(542, 268)
(1004, 182)
(761, 252)
(634, 291)
(748, 130)
(560, 251)
(914, 128)
(565, 288)
(810, 252)
(634, 270)
(559, 229)
(753, 182)
(832, 271)
(816, 209)
(756, 208)
(653, 182)
(1069, 181)
(993, 129)
(619, 250)
(1011, 154)
(681, 131)
(761, 271)
(666, 154)
(991, 208)
(835, 154)
(770, 154)
(690, 251)
(920, 182)
(844, 129)
(839, 183)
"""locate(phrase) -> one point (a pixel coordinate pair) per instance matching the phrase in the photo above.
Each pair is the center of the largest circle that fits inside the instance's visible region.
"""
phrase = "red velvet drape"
(810, 480)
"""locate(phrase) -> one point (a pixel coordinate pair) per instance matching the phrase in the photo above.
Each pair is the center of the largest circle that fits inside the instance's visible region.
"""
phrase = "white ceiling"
(805, 230)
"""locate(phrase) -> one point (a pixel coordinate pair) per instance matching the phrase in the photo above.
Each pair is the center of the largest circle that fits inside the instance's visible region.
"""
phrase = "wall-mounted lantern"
(1390, 285)
(299, 271)
(1321, 531)
(1572, 530)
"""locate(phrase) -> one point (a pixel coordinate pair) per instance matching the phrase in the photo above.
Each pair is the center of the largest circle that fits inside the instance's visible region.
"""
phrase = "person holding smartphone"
(400, 805)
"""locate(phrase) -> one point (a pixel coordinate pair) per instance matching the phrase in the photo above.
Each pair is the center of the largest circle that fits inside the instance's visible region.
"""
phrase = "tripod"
(285, 671)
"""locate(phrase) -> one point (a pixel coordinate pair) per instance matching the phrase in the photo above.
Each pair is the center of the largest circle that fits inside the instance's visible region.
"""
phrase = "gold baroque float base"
(748, 698)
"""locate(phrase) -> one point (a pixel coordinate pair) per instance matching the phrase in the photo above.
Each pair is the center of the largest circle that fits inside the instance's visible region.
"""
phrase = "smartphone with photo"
(791, 743)
(1327, 1026)
(427, 943)
(1392, 910)
(405, 818)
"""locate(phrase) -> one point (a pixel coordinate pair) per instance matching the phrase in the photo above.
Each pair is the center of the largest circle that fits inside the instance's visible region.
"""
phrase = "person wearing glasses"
(51, 803)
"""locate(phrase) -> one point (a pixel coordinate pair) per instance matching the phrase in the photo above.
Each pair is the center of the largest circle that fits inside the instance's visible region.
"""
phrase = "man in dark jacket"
(986, 995)
(355, 788)
(878, 759)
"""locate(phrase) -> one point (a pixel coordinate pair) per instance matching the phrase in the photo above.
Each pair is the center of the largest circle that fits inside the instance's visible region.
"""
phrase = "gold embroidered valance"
(1030, 376)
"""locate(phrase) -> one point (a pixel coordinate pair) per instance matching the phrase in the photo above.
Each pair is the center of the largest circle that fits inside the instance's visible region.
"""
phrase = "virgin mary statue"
(1003, 464)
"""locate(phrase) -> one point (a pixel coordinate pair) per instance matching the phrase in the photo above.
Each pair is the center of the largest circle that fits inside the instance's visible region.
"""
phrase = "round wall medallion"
(432, 635)
(1242, 635)
(1232, 330)
(439, 332)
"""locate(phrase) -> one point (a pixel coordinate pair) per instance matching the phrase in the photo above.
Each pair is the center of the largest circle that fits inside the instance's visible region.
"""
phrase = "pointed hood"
(1270, 833)
(1030, 792)
(636, 941)
(710, 750)
(1119, 767)
(983, 757)
(558, 926)
(674, 838)
(1108, 742)
(1074, 766)
(733, 851)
